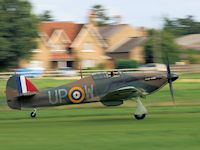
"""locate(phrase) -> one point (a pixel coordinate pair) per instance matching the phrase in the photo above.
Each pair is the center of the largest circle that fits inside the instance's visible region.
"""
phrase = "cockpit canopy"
(100, 75)
(104, 75)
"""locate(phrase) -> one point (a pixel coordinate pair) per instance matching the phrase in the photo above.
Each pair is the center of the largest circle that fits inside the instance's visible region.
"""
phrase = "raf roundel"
(76, 95)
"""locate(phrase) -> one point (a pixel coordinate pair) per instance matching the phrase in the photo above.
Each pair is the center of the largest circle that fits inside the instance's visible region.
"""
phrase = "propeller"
(171, 77)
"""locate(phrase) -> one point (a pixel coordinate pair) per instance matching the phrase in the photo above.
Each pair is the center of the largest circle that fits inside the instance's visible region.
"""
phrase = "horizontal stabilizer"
(29, 94)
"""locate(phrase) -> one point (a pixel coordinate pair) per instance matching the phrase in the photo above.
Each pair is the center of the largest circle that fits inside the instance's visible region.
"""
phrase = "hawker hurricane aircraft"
(109, 88)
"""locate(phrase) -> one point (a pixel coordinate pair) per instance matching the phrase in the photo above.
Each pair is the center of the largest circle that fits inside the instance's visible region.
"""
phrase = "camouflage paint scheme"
(100, 87)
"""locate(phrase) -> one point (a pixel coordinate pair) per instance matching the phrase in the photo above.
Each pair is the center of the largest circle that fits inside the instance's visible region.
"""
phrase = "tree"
(158, 45)
(46, 16)
(169, 47)
(101, 16)
(182, 26)
(148, 48)
(152, 47)
(18, 31)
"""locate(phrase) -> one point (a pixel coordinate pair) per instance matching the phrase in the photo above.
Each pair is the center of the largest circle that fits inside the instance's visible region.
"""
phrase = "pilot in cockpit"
(112, 74)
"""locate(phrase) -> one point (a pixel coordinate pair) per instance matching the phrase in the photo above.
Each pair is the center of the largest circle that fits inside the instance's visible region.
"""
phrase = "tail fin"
(18, 86)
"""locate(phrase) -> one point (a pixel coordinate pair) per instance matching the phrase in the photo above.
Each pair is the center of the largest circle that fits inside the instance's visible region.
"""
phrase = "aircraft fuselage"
(93, 88)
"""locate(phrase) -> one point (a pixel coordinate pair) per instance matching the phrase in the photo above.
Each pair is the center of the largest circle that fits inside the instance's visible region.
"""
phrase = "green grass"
(92, 126)
(190, 76)
(103, 128)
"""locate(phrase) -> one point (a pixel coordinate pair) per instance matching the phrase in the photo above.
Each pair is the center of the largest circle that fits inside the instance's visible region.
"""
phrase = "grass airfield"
(92, 126)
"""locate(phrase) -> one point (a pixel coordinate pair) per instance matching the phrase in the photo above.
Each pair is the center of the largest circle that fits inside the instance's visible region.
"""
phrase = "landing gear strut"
(141, 111)
(33, 113)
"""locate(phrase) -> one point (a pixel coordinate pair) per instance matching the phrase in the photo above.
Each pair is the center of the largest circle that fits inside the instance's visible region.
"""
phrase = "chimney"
(92, 17)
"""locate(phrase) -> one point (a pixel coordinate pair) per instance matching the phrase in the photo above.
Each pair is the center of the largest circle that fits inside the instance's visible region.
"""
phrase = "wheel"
(33, 114)
(139, 117)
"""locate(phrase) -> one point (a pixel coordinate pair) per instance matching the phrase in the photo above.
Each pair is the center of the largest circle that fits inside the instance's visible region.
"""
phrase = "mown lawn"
(92, 126)
(101, 128)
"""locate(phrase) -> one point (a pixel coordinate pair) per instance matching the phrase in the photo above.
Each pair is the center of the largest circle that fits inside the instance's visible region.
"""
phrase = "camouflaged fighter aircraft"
(108, 88)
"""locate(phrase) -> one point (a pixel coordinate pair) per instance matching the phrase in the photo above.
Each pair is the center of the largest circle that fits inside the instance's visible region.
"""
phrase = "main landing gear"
(33, 113)
(141, 111)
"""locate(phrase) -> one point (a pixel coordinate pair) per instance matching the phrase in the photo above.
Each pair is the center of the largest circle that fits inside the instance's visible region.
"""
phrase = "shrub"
(125, 63)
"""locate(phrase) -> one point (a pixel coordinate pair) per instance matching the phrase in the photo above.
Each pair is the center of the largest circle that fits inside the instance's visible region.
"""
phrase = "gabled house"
(113, 34)
(54, 43)
(89, 47)
(129, 48)
(69, 44)
(60, 36)
(124, 42)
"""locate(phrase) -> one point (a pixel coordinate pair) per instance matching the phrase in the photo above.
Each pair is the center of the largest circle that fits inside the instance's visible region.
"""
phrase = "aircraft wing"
(122, 93)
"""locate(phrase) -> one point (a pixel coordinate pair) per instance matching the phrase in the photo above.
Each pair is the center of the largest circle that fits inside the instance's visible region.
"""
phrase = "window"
(62, 64)
(88, 63)
(70, 64)
(88, 47)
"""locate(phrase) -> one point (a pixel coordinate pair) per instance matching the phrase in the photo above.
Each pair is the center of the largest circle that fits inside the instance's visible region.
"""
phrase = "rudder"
(18, 86)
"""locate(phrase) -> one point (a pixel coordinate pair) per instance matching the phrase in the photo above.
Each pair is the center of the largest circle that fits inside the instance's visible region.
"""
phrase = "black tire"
(33, 114)
(140, 117)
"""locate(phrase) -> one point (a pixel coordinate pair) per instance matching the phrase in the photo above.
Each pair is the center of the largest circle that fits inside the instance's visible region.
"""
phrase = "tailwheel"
(33, 113)
(140, 117)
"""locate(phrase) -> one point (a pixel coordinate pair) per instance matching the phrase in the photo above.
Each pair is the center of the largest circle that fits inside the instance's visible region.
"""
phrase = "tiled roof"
(191, 39)
(129, 45)
(71, 29)
(194, 47)
(109, 30)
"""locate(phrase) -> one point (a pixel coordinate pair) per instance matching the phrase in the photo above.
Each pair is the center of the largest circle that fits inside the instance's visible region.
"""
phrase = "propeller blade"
(168, 67)
(171, 90)
(169, 77)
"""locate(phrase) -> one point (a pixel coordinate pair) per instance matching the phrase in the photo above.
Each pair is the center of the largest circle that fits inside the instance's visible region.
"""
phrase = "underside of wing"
(121, 94)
